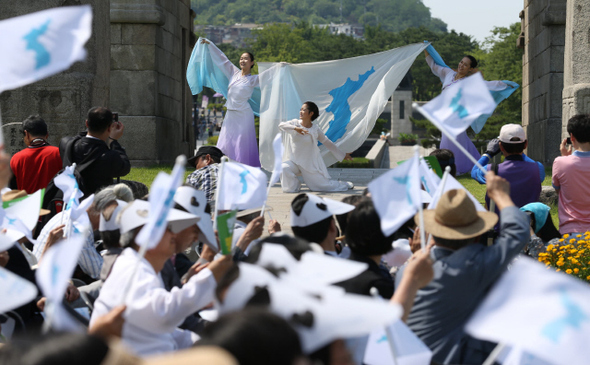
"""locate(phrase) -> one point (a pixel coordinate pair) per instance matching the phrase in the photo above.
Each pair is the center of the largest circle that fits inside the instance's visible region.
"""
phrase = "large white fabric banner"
(350, 93)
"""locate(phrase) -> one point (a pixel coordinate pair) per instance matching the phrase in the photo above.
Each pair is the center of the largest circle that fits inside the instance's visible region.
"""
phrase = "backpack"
(53, 197)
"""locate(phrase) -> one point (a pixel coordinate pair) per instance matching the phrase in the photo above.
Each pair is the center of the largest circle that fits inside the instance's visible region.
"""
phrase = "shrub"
(356, 163)
(212, 141)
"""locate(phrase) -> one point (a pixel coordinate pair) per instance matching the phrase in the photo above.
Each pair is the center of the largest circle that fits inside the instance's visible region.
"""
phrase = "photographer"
(97, 153)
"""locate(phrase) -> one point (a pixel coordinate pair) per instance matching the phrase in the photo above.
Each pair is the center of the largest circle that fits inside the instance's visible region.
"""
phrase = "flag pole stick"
(219, 177)
(495, 353)
(420, 207)
(265, 200)
(443, 182)
(451, 138)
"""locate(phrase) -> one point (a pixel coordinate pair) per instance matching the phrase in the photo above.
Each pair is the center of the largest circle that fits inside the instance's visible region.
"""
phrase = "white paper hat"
(317, 209)
(311, 313)
(136, 214)
(111, 224)
(195, 201)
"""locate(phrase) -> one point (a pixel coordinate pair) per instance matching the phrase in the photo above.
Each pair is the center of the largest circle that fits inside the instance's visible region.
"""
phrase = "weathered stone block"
(556, 59)
(115, 33)
(165, 86)
(167, 41)
(555, 92)
(139, 33)
(133, 57)
(133, 92)
(123, 11)
(140, 133)
(548, 195)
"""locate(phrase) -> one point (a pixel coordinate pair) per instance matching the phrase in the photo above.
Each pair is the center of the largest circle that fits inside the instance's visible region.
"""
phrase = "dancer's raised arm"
(220, 59)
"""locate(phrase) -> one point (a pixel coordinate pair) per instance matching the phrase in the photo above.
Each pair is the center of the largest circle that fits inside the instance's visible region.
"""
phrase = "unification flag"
(57, 266)
(537, 310)
(21, 217)
(498, 90)
(277, 146)
(241, 187)
(66, 182)
(429, 179)
(42, 44)
(409, 349)
(14, 291)
(452, 183)
(396, 195)
(350, 93)
(161, 200)
(457, 107)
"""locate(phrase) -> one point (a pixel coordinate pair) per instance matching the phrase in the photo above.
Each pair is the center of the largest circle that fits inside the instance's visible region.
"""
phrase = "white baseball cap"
(512, 133)
(136, 214)
(316, 209)
(195, 201)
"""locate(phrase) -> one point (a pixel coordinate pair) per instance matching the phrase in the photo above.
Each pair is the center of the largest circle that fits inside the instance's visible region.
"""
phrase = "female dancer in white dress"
(303, 157)
(449, 77)
(237, 138)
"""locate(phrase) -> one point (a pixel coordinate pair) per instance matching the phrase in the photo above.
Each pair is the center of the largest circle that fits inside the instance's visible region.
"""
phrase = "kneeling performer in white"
(302, 154)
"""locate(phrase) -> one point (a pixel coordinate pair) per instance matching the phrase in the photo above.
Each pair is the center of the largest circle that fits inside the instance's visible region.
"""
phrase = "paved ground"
(280, 202)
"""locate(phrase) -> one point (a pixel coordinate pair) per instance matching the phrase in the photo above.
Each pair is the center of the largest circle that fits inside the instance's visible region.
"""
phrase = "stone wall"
(542, 75)
(576, 88)
(151, 42)
(63, 99)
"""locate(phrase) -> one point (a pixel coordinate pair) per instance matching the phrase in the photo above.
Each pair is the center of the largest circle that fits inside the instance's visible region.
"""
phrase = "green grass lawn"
(479, 191)
(147, 174)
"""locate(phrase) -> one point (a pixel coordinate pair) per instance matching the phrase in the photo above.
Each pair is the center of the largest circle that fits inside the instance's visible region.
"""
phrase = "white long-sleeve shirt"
(153, 314)
(303, 150)
(447, 76)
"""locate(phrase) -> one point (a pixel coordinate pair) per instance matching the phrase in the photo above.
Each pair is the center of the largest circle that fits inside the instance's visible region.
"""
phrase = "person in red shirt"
(37, 164)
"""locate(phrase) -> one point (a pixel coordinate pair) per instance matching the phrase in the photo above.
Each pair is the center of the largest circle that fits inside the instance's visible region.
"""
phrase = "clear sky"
(476, 18)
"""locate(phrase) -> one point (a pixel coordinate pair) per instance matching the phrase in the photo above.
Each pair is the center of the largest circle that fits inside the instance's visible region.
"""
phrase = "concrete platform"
(280, 202)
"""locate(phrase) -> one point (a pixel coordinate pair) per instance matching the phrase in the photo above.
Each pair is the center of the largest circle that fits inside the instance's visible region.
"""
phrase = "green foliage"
(408, 138)
(380, 126)
(392, 15)
(431, 129)
(356, 163)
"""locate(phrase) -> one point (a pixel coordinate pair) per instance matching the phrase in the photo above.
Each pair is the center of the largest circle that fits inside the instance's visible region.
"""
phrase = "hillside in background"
(392, 15)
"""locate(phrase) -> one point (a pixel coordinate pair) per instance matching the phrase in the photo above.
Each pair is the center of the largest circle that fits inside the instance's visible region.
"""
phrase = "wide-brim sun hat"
(456, 218)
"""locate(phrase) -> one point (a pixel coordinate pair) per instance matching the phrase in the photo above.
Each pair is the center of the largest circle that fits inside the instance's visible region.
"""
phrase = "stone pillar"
(150, 46)
(576, 74)
(542, 76)
(63, 99)
(401, 111)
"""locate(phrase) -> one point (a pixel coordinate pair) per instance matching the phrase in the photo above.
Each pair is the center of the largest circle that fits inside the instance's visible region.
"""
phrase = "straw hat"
(455, 217)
